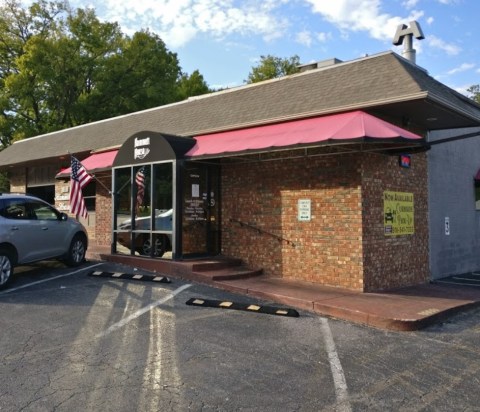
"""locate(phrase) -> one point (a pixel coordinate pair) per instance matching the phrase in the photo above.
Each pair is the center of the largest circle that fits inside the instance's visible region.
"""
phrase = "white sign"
(447, 226)
(141, 149)
(195, 190)
(304, 210)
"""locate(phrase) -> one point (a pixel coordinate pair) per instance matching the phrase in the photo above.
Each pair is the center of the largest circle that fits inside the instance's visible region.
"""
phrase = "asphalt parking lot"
(72, 341)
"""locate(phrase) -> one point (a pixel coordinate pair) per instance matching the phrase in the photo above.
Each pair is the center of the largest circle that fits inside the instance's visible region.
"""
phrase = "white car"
(32, 230)
(142, 243)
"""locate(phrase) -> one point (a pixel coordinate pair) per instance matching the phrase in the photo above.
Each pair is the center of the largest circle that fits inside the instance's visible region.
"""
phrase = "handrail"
(261, 231)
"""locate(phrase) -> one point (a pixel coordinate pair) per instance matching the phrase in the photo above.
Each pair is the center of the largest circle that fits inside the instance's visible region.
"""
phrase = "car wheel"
(160, 246)
(6, 268)
(76, 252)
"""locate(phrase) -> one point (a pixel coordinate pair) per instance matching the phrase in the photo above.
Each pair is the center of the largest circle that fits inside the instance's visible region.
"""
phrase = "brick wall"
(394, 261)
(344, 244)
(18, 180)
(103, 209)
(325, 250)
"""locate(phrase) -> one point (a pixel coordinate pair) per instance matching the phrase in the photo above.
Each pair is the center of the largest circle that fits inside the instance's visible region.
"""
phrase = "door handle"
(14, 228)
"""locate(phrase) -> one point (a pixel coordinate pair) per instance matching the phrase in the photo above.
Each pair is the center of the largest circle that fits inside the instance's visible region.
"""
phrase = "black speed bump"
(270, 310)
(130, 276)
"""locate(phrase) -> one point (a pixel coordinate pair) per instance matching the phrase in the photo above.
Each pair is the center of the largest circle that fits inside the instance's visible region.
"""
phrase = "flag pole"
(102, 184)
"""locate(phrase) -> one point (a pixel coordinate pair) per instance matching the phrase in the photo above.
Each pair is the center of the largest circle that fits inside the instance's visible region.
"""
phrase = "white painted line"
(341, 390)
(469, 279)
(457, 283)
(47, 280)
(140, 312)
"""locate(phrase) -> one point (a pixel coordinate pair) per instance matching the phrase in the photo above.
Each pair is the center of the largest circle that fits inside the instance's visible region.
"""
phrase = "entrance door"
(200, 210)
(143, 210)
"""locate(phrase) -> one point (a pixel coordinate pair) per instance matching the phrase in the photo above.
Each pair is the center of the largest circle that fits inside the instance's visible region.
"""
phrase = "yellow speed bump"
(270, 310)
(225, 304)
(130, 276)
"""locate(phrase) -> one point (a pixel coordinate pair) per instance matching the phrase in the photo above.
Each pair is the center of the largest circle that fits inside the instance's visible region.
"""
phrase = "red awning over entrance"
(96, 162)
(338, 127)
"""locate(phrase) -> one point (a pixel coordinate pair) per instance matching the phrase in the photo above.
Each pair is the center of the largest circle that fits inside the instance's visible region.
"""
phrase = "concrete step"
(205, 270)
(214, 264)
(230, 273)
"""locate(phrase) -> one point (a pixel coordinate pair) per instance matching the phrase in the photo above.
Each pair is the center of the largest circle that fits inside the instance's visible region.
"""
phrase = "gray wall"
(452, 167)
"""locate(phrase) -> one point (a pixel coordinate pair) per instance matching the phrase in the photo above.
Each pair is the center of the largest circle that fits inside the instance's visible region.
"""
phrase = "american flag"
(78, 180)
(140, 182)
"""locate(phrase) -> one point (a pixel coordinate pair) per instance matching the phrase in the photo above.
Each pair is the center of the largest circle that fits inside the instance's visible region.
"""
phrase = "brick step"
(231, 273)
(214, 264)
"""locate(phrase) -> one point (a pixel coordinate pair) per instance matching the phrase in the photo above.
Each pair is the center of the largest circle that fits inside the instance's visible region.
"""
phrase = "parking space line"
(47, 280)
(141, 311)
(341, 390)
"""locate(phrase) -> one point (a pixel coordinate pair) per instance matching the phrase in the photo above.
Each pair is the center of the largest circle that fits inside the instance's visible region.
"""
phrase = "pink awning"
(338, 127)
(94, 163)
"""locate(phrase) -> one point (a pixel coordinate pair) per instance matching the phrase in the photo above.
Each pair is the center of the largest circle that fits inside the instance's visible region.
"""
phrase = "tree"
(61, 68)
(193, 85)
(142, 74)
(474, 92)
(55, 72)
(271, 67)
(18, 27)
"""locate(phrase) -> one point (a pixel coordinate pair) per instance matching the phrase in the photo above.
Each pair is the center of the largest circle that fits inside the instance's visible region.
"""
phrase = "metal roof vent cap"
(405, 33)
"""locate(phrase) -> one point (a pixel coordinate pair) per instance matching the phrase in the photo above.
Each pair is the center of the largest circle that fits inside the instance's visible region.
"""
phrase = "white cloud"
(463, 90)
(305, 38)
(323, 37)
(179, 21)
(462, 68)
(449, 48)
(362, 15)
(410, 4)
(430, 20)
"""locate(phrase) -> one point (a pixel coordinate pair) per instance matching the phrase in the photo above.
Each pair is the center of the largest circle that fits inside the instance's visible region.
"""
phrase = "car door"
(50, 233)
(34, 238)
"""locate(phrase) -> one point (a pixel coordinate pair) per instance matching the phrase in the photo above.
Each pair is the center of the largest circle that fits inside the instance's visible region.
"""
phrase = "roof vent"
(317, 65)
(405, 33)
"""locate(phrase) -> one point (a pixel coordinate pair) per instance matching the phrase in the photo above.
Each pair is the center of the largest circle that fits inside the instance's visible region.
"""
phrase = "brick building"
(321, 176)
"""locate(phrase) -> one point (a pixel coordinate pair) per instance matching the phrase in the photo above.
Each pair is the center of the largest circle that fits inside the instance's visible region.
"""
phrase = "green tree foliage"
(193, 85)
(145, 74)
(61, 68)
(271, 67)
(474, 92)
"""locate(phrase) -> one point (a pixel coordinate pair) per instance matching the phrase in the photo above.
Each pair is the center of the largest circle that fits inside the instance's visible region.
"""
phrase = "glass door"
(143, 210)
(200, 210)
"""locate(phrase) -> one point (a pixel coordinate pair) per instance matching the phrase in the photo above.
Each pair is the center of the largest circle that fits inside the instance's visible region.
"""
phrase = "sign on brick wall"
(398, 210)
(304, 210)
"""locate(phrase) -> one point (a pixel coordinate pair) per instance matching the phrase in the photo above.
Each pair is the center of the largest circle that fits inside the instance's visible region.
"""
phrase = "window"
(41, 211)
(27, 209)
(14, 209)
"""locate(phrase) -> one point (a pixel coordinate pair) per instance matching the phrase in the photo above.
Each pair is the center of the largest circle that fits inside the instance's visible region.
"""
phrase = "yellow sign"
(398, 213)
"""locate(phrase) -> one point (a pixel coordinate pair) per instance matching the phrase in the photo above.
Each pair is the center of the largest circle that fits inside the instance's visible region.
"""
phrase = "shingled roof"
(386, 85)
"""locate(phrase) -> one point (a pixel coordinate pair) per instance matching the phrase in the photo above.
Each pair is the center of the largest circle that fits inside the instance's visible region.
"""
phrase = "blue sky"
(223, 39)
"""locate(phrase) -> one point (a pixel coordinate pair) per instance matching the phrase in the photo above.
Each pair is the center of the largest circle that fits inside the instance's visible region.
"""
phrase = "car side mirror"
(63, 216)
